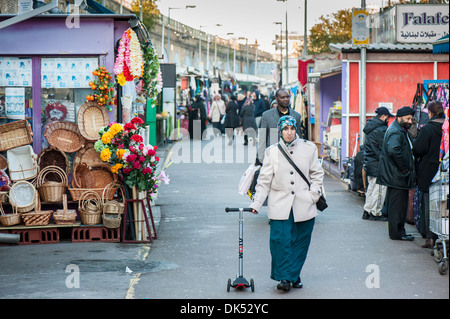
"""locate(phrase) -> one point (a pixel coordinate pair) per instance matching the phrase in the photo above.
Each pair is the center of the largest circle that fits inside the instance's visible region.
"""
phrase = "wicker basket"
(76, 193)
(64, 136)
(87, 155)
(3, 163)
(95, 176)
(53, 157)
(90, 208)
(22, 196)
(113, 209)
(51, 191)
(38, 217)
(15, 134)
(9, 219)
(91, 118)
(22, 163)
(65, 216)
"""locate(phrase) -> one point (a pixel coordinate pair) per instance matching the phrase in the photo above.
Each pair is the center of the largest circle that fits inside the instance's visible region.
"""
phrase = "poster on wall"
(424, 23)
(15, 71)
(15, 103)
(67, 72)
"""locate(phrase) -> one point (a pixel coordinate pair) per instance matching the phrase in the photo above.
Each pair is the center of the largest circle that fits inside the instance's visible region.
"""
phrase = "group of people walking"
(397, 159)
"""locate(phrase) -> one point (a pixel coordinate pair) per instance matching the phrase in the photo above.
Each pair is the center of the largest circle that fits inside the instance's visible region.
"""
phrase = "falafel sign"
(422, 23)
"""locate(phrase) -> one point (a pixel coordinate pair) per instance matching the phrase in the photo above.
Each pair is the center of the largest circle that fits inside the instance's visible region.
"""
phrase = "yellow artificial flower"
(121, 79)
(116, 168)
(106, 137)
(105, 155)
(115, 128)
(120, 153)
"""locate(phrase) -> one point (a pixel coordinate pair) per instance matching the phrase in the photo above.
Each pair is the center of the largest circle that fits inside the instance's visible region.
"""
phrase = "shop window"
(15, 89)
(64, 87)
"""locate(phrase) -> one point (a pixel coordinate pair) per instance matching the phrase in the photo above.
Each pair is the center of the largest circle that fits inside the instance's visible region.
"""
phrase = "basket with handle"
(65, 216)
(90, 208)
(38, 217)
(91, 118)
(23, 196)
(64, 136)
(51, 156)
(51, 191)
(10, 219)
(113, 209)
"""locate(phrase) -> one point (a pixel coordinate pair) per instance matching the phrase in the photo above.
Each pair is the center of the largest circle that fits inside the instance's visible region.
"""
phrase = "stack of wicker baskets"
(51, 191)
(90, 208)
(113, 209)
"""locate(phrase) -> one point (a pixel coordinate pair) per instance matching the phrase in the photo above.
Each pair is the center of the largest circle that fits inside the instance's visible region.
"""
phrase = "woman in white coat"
(216, 112)
(291, 204)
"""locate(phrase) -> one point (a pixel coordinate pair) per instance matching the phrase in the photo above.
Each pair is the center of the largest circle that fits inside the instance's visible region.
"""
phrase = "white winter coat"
(217, 109)
(284, 186)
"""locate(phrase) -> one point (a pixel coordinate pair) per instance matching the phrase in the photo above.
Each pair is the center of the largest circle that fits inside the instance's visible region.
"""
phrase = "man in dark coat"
(231, 119)
(375, 194)
(260, 107)
(268, 130)
(426, 149)
(396, 170)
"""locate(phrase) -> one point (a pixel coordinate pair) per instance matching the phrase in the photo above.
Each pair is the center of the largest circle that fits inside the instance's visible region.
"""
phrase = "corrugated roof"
(385, 47)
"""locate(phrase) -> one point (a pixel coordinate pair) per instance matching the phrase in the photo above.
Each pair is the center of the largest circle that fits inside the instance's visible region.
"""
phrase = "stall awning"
(441, 45)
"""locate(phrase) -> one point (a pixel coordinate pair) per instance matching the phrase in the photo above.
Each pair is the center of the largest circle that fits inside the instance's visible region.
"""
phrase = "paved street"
(196, 249)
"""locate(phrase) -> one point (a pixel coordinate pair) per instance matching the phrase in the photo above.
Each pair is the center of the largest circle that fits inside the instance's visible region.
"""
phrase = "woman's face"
(288, 133)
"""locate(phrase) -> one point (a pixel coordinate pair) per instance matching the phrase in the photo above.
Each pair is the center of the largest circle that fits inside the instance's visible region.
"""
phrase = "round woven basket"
(94, 176)
(64, 136)
(65, 216)
(91, 118)
(87, 155)
(10, 219)
(51, 191)
(38, 217)
(22, 196)
(90, 208)
(51, 156)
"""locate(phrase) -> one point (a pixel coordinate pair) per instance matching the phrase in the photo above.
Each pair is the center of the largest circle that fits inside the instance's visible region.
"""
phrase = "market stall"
(81, 163)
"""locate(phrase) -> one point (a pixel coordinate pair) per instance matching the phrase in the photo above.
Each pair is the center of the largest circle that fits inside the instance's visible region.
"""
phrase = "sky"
(253, 19)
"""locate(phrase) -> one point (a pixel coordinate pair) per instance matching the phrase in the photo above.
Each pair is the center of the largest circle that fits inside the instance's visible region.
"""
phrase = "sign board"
(15, 103)
(360, 27)
(421, 23)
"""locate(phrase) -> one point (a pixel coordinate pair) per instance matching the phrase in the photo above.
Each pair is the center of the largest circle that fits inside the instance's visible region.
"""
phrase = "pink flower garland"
(129, 57)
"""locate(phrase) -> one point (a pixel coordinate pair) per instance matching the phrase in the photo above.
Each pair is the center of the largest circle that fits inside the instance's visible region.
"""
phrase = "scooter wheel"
(252, 285)
(228, 285)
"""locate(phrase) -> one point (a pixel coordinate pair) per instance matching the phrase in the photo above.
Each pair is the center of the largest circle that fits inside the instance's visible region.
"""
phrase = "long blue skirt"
(289, 244)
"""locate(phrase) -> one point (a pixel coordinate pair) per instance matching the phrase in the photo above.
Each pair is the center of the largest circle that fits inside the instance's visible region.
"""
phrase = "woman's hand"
(254, 212)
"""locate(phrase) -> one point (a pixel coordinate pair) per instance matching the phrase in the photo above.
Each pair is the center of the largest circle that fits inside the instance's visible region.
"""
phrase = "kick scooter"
(240, 281)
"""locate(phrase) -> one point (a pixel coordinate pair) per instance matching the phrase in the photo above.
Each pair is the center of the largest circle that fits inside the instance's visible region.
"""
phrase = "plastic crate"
(95, 234)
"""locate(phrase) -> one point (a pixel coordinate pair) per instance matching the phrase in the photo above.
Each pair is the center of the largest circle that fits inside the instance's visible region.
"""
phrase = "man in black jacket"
(375, 194)
(396, 170)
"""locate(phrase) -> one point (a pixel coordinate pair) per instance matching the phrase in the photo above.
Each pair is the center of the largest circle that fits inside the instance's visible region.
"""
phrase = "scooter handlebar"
(238, 209)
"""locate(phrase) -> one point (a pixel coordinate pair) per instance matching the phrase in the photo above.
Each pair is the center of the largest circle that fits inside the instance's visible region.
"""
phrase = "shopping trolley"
(439, 205)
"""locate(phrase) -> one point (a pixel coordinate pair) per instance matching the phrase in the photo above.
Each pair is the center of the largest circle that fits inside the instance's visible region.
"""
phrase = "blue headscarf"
(285, 121)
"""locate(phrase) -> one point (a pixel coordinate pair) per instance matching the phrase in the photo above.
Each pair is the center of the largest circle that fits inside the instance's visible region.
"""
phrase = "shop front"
(63, 89)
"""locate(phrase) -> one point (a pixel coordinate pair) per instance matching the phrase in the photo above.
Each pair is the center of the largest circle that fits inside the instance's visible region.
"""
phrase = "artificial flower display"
(123, 148)
(129, 62)
(102, 88)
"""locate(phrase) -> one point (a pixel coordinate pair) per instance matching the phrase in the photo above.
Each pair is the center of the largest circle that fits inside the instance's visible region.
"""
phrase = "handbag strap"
(293, 164)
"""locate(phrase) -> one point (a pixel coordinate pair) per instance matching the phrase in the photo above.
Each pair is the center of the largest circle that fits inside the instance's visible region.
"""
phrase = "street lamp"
(287, 45)
(281, 50)
(168, 28)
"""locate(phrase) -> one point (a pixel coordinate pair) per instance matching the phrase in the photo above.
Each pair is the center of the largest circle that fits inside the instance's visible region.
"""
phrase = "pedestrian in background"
(268, 130)
(248, 120)
(375, 194)
(426, 149)
(396, 170)
(216, 112)
(198, 112)
(291, 203)
(260, 107)
(232, 119)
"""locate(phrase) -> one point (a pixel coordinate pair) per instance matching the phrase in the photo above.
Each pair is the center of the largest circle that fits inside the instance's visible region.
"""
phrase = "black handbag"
(322, 202)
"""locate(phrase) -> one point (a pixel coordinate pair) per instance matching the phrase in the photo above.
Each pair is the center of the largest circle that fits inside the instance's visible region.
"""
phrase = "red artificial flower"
(129, 127)
(137, 138)
(137, 120)
(126, 170)
(141, 147)
(131, 158)
(151, 152)
(157, 158)
(147, 170)
(155, 147)
(142, 159)
(136, 165)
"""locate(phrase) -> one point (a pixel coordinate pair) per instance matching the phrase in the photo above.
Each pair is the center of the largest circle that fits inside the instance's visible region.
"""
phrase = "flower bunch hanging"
(102, 88)
(152, 72)
(127, 154)
(129, 61)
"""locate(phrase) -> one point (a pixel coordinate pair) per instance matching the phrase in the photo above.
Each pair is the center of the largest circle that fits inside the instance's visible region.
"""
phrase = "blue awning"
(441, 45)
